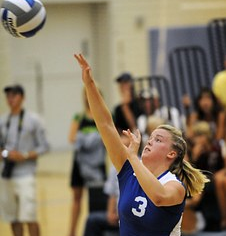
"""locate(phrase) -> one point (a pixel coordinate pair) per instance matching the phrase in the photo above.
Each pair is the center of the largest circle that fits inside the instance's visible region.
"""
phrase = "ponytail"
(193, 179)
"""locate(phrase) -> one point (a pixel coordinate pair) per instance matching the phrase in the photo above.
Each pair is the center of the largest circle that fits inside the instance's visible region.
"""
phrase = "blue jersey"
(137, 213)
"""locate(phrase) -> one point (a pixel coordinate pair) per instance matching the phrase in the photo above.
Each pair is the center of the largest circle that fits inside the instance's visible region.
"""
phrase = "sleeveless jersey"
(137, 213)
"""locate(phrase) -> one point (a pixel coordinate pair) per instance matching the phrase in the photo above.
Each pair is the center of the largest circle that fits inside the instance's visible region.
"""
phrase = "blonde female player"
(153, 189)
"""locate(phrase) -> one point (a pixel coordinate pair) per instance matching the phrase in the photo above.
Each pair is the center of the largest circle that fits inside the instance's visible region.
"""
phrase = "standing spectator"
(101, 222)
(88, 168)
(126, 113)
(106, 221)
(23, 141)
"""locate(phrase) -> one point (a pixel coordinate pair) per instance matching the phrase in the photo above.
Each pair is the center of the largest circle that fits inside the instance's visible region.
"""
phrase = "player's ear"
(172, 154)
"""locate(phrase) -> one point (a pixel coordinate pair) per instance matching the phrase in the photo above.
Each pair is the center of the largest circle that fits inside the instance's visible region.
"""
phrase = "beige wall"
(4, 68)
(68, 29)
(130, 45)
(131, 20)
(113, 33)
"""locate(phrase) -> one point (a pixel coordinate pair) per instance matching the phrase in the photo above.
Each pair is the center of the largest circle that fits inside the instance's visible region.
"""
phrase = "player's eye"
(158, 140)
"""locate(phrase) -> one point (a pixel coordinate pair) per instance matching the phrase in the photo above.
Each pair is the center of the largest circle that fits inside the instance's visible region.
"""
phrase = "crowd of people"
(23, 140)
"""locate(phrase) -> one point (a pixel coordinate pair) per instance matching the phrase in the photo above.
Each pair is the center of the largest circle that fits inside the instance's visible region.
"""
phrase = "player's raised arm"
(102, 116)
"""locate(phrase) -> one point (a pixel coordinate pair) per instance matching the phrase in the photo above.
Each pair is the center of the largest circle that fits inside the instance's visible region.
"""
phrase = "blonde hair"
(193, 179)
(202, 128)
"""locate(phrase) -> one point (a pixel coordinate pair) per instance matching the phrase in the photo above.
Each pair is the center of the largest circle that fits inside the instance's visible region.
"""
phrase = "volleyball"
(23, 18)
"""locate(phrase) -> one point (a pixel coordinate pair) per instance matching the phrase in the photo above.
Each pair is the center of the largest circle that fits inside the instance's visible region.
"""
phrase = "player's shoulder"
(168, 176)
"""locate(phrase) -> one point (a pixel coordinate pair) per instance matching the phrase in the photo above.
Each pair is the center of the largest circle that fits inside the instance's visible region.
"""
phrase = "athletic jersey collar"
(164, 173)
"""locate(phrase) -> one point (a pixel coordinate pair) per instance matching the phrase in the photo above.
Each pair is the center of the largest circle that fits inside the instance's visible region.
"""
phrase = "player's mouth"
(147, 149)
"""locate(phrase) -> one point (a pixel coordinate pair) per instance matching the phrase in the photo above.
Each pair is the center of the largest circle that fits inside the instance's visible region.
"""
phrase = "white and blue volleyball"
(23, 18)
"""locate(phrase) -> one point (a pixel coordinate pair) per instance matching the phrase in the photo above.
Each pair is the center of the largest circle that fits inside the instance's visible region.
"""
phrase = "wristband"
(5, 153)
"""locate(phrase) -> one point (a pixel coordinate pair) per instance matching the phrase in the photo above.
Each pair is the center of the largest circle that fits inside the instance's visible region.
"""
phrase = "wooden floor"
(54, 197)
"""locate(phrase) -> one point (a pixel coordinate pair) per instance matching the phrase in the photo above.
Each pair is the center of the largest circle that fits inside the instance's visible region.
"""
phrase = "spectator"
(220, 180)
(101, 221)
(206, 155)
(152, 106)
(23, 141)
(88, 168)
(147, 99)
(126, 113)
(207, 109)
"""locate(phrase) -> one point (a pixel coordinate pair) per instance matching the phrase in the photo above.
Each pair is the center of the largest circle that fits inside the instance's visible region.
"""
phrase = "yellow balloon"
(219, 86)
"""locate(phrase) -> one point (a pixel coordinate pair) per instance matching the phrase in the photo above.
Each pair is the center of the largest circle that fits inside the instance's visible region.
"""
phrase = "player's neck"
(158, 169)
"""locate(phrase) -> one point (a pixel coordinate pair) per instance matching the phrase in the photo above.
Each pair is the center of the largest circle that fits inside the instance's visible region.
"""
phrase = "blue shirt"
(137, 213)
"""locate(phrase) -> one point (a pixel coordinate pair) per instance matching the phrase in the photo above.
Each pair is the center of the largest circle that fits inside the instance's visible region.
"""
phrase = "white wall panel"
(52, 49)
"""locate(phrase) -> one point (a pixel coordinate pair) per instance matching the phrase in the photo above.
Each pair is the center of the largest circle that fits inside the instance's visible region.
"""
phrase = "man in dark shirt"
(126, 113)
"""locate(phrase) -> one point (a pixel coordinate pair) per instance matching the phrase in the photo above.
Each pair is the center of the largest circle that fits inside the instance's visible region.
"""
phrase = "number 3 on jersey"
(140, 210)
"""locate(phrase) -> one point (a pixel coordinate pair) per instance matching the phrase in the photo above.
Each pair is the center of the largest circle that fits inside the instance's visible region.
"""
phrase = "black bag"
(7, 169)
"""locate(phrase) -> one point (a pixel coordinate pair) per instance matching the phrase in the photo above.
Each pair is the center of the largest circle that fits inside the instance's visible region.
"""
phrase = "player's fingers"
(125, 132)
(83, 60)
(128, 134)
(138, 134)
(78, 59)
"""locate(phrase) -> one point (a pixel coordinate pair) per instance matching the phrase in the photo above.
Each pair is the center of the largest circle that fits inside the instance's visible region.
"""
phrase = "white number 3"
(140, 211)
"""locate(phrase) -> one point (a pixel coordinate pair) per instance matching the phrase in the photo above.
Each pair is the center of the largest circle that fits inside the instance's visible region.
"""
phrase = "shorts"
(18, 199)
(76, 178)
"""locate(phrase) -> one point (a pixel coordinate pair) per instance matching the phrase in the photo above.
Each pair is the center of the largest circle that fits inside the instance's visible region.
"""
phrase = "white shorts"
(18, 199)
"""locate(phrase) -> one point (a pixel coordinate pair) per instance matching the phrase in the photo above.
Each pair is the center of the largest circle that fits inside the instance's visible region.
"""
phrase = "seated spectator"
(220, 180)
(205, 154)
(147, 105)
(208, 109)
(151, 104)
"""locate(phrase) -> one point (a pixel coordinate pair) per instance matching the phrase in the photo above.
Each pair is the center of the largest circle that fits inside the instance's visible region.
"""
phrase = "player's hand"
(186, 100)
(86, 70)
(134, 142)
